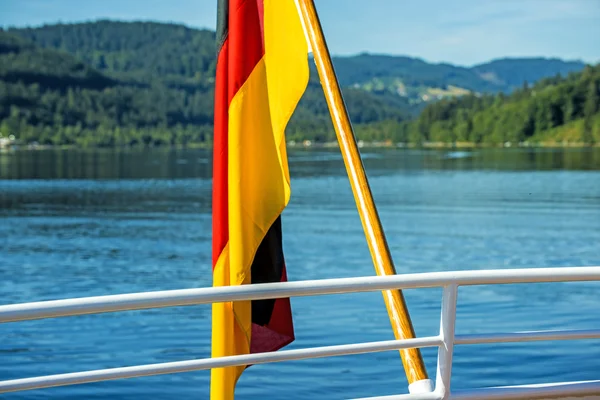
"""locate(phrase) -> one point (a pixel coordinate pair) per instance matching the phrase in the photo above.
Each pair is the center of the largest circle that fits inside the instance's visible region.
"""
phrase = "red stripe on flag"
(238, 56)
(245, 41)
(220, 217)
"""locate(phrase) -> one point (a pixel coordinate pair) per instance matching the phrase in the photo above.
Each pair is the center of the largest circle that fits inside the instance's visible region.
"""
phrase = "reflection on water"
(83, 223)
(195, 163)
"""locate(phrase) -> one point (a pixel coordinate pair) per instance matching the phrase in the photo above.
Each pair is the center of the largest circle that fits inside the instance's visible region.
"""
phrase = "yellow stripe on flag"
(258, 179)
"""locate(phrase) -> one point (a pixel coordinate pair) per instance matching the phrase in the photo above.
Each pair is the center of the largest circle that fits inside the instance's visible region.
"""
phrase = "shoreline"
(445, 145)
(15, 145)
(325, 145)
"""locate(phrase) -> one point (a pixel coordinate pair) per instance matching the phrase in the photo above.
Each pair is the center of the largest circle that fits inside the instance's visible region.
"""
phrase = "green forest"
(107, 84)
(553, 111)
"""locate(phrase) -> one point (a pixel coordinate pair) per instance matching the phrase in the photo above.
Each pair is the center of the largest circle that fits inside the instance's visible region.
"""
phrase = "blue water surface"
(84, 223)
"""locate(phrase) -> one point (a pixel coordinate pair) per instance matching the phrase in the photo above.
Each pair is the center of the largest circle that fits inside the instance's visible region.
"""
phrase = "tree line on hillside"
(111, 84)
(134, 51)
(156, 115)
(51, 97)
(553, 109)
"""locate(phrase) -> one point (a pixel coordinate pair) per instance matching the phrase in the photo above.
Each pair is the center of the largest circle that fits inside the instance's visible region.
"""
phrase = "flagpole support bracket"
(421, 386)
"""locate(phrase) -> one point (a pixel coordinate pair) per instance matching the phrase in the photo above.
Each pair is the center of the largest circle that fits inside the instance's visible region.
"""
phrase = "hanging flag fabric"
(262, 71)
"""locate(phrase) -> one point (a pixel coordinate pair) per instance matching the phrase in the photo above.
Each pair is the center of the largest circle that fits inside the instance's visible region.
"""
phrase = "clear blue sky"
(461, 32)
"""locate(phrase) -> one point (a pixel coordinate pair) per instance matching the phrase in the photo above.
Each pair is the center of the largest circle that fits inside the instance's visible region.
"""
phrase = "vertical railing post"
(445, 352)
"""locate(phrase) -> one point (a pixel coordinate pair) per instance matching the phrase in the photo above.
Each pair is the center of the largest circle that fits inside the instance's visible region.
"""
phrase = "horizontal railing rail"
(445, 341)
(261, 291)
(208, 363)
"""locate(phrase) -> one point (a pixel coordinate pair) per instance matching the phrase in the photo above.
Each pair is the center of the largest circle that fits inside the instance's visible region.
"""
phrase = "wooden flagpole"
(382, 260)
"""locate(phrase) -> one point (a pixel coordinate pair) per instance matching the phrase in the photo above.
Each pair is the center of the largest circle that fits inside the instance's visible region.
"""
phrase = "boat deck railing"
(444, 341)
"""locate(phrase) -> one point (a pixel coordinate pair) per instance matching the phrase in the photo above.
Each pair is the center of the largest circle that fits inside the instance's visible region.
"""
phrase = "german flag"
(262, 71)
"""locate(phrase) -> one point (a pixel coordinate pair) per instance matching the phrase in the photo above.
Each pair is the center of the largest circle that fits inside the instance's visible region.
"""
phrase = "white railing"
(445, 340)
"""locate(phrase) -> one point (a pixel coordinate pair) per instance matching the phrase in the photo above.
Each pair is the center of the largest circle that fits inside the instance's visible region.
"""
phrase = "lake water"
(83, 223)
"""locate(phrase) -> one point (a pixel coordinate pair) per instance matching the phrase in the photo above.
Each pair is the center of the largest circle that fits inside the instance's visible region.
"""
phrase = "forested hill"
(134, 50)
(175, 53)
(553, 110)
(52, 97)
(420, 81)
(115, 83)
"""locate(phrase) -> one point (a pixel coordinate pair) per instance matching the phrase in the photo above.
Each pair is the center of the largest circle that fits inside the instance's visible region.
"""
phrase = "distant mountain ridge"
(513, 72)
(422, 81)
(112, 83)
(177, 53)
